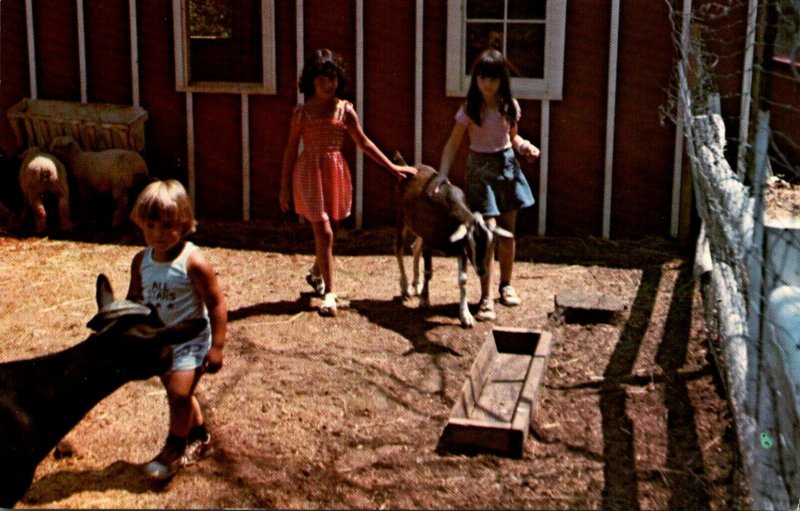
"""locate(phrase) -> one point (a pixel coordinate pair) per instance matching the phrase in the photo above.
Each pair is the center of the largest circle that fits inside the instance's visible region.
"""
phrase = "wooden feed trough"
(96, 126)
(500, 394)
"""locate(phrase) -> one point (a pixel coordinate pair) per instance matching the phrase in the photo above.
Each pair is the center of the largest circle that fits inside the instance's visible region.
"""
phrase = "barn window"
(225, 45)
(529, 32)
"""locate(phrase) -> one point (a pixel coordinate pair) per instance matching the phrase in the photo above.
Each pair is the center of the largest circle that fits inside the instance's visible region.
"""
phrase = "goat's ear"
(398, 159)
(103, 294)
(459, 233)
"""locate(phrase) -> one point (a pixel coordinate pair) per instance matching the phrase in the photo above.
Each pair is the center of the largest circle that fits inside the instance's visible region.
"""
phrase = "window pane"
(485, 9)
(481, 36)
(210, 18)
(525, 51)
(234, 56)
(527, 9)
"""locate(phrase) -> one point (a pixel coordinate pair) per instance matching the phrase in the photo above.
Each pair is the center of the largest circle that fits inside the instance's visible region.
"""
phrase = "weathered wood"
(96, 126)
(587, 306)
(500, 394)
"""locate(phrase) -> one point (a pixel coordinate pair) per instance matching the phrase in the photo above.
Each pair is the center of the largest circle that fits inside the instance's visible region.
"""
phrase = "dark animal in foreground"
(43, 398)
(435, 212)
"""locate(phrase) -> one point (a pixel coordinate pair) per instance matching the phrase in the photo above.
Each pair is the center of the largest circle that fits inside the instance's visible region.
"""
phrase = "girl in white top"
(496, 185)
(172, 275)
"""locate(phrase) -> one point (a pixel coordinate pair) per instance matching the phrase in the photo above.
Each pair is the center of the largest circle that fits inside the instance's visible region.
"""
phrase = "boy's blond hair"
(166, 201)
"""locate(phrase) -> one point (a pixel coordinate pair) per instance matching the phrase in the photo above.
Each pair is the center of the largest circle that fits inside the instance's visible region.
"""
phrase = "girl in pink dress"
(318, 180)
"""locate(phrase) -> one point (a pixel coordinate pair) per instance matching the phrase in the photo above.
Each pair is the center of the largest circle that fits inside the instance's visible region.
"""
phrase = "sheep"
(112, 171)
(41, 174)
(43, 398)
(435, 212)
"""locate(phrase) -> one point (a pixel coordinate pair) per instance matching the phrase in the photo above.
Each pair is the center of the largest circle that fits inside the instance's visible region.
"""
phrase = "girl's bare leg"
(324, 236)
(507, 247)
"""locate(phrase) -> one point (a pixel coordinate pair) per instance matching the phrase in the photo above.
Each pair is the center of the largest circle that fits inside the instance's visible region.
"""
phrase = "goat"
(43, 398)
(112, 171)
(435, 212)
(41, 174)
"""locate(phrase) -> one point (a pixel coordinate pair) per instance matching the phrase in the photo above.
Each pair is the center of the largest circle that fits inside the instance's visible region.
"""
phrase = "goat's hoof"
(467, 321)
(424, 303)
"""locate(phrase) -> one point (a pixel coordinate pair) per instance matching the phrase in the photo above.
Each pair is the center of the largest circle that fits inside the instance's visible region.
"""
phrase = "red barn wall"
(642, 174)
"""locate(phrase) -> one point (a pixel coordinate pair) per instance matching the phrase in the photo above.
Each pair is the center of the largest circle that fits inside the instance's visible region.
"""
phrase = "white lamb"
(43, 174)
(112, 171)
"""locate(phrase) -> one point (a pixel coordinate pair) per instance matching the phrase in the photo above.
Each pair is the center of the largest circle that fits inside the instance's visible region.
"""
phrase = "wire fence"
(736, 98)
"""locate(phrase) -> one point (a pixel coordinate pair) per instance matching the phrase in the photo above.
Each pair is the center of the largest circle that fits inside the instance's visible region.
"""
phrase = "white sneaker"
(486, 310)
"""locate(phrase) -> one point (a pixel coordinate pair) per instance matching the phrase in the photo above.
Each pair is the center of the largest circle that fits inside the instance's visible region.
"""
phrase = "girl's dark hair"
(322, 62)
(491, 64)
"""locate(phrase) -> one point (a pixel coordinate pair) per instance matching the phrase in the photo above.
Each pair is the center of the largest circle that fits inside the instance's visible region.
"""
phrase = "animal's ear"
(459, 233)
(398, 159)
(103, 294)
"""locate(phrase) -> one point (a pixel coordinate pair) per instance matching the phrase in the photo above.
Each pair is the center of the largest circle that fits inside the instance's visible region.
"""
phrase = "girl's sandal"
(328, 306)
(316, 282)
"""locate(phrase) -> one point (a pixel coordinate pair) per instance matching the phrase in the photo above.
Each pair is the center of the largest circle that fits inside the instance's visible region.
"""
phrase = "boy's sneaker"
(198, 450)
(509, 296)
(486, 310)
(316, 282)
(167, 463)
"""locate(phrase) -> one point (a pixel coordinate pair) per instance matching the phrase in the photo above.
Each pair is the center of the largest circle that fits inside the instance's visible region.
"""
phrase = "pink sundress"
(322, 186)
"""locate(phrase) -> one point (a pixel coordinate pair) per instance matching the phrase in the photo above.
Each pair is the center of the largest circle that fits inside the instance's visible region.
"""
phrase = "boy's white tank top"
(167, 286)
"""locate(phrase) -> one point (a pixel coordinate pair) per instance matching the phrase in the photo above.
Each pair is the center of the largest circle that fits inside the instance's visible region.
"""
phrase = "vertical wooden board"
(165, 131)
(644, 146)
(13, 70)
(218, 156)
(56, 39)
(577, 123)
(108, 52)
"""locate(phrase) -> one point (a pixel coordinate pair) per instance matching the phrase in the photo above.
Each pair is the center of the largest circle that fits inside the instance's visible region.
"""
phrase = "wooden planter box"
(96, 126)
(500, 394)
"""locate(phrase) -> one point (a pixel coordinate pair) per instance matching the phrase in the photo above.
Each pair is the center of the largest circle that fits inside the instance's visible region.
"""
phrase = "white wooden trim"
(190, 164)
(269, 73)
(418, 80)
(179, 46)
(134, 52)
(268, 85)
(31, 49)
(359, 185)
(677, 162)
(82, 50)
(613, 49)
(549, 87)
(301, 37)
(245, 157)
(747, 88)
(544, 165)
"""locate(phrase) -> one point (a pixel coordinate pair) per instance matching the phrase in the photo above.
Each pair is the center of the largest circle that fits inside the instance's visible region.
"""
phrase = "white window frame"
(548, 88)
(268, 84)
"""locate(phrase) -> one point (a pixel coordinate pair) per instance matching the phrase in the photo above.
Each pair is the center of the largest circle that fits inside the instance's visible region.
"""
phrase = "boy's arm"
(205, 281)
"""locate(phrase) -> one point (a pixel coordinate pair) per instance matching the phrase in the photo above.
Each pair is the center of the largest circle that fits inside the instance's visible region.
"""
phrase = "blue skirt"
(496, 183)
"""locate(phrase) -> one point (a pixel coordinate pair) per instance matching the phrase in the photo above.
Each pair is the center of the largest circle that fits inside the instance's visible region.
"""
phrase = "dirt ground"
(346, 412)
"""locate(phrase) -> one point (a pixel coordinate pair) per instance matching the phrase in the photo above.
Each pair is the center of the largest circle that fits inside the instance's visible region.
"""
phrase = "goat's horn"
(459, 233)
